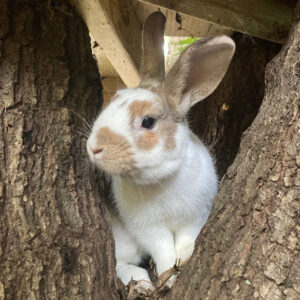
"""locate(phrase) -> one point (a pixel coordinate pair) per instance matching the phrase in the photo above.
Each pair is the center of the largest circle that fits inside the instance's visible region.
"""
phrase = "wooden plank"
(267, 19)
(104, 65)
(187, 27)
(110, 86)
(114, 26)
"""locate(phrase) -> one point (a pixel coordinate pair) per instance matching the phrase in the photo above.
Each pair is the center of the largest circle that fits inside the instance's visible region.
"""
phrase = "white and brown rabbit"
(163, 177)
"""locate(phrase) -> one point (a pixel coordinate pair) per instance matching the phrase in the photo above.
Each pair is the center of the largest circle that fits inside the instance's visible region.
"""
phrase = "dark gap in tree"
(221, 119)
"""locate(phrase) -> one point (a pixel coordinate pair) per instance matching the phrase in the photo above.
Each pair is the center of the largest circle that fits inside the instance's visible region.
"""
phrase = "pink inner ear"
(198, 71)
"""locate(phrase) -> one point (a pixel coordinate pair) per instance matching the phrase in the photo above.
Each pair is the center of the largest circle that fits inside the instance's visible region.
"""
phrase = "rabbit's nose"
(96, 151)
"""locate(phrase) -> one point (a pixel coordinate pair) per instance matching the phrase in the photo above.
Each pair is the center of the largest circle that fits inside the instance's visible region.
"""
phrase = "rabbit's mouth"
(110, 152)
(113, 160)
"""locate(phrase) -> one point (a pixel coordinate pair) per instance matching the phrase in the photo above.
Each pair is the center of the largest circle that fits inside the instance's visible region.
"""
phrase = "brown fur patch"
(167, 131)
(140, 108)
(147, 141)
(117, 154)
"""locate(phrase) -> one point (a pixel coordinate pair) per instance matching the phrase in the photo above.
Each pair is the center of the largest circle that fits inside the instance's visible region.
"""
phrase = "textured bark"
(249, 249)
(221, 119)
(55, 241)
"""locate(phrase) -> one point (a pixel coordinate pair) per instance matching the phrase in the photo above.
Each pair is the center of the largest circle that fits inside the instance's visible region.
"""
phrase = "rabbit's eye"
(148, 122)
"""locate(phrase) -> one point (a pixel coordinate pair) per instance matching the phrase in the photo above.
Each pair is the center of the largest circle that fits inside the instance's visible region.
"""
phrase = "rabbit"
(163, 177)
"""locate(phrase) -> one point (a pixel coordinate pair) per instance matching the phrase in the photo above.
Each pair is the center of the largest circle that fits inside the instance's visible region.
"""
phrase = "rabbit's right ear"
(197, 73)
(153, 61)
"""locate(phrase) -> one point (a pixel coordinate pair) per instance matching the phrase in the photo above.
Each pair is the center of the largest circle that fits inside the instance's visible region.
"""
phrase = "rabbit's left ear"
(197, 72)
(153, 60)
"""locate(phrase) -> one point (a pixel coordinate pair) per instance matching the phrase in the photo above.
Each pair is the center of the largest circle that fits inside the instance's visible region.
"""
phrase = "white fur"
(165, 217)
(164, 202)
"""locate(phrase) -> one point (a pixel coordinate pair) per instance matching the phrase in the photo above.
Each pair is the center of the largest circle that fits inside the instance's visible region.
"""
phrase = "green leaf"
(182, 44)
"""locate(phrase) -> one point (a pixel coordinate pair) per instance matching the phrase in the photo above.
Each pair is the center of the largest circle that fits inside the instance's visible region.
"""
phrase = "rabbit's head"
(143, 132)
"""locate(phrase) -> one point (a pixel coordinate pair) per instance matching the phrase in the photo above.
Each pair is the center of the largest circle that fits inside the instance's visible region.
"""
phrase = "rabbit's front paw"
(142, 286)
(184, 250)
(167, 278)
(137, 278)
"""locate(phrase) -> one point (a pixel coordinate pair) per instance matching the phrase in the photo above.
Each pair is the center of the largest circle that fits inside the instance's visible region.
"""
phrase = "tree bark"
(249, 249)
(55, 239)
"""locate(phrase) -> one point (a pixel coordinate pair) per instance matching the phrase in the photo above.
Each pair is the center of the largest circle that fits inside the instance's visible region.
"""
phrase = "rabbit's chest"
(157, 204)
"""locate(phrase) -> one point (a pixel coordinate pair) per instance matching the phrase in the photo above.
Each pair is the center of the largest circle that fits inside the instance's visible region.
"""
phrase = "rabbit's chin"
(153, 175)
(113, 169)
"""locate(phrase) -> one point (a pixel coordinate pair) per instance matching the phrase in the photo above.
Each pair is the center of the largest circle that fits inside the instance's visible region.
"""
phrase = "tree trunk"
(55, 240)
(249, 249)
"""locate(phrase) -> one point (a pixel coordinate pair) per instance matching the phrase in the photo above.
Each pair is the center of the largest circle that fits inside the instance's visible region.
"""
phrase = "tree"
(55, 237)
(55, 240)
(249, 248)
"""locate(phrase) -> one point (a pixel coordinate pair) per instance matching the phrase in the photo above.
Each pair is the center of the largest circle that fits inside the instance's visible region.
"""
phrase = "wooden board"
(180, 25)
(267, 19)
(114, 26)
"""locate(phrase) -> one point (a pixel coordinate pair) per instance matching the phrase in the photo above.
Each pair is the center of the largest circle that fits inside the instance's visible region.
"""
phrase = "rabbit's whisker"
(86, 122)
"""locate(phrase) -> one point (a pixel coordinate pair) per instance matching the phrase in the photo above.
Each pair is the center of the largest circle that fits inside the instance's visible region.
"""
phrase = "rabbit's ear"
(153, 61)
(197, 72)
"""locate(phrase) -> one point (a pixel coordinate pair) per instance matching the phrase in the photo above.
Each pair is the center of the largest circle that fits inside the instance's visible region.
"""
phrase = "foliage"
(182, 44)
